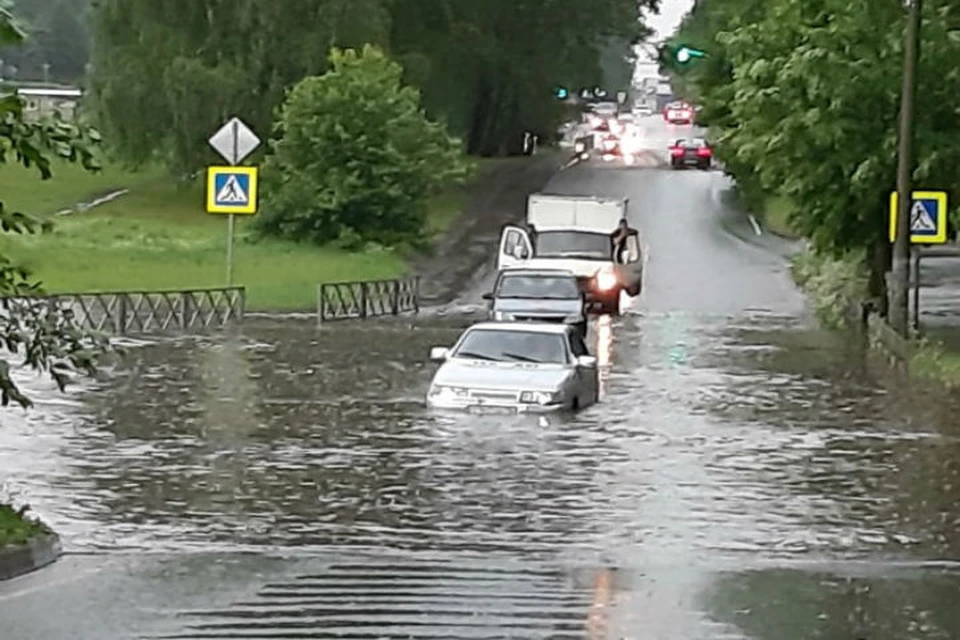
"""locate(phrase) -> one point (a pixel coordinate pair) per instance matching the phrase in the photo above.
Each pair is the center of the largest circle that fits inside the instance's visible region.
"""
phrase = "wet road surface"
(744, 476)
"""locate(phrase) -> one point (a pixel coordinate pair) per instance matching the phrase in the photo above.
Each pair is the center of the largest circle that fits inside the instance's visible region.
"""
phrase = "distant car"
(678, 113)
(517, 366)
(693, 152)
(609, 147)
(544, 295)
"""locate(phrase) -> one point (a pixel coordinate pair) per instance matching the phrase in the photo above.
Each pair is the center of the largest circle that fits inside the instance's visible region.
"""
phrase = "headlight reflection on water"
(604, 352)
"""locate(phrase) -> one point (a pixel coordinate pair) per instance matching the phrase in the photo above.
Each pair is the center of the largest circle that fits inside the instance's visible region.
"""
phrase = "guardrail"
(142, 312)
(367, 299)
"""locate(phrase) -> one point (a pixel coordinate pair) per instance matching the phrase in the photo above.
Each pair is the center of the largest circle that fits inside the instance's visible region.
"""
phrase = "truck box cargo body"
(601, 215)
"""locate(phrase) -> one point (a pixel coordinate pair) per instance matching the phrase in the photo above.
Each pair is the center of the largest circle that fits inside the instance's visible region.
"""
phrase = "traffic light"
(670, 54)
(686, 54)
(562, 93)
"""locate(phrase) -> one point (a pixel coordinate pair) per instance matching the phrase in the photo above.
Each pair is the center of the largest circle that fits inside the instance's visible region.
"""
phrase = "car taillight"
(704, 152)
(676, 151)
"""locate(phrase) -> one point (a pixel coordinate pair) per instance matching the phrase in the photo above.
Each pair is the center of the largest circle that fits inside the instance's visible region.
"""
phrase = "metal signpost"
(232, 189)
(928, 225)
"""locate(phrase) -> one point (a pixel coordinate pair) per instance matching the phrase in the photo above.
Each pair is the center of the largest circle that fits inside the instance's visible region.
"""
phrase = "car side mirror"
(522, 253)
(587, 362)
(487, 296)
(439, 354)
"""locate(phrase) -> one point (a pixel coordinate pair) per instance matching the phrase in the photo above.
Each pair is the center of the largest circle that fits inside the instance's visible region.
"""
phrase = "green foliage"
(166, 74)
(803, 96)
(378, 157)
(932, 360)
(16, 528)
(835, 285)
(43, 333)
(56, 35)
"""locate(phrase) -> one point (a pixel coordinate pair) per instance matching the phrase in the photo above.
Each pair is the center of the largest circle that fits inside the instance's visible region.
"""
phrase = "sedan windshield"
(513, 346)
(539, 287)
(573, 244)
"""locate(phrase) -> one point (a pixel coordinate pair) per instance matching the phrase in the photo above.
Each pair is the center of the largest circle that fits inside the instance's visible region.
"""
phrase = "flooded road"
(744, 476)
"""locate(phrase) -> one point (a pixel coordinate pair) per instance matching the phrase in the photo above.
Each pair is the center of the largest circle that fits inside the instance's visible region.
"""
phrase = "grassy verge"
(776, 216)
(837, 285)
(15, 529)
(159, 237)
(933, 361)
(834, 285)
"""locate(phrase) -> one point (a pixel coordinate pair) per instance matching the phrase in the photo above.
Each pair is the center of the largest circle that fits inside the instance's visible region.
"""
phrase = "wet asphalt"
(745, 474)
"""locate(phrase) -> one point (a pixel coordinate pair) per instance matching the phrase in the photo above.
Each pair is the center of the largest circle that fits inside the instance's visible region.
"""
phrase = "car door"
(587, 377)
(515, 248)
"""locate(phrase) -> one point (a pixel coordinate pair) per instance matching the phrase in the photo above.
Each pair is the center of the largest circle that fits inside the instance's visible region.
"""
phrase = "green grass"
(14, 530)
(22, 189)
(159, 237)
(933, 361)
(776, 216)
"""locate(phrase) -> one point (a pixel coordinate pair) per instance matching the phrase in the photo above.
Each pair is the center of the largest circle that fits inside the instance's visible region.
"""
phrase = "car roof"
(535, 327)
(538, 272)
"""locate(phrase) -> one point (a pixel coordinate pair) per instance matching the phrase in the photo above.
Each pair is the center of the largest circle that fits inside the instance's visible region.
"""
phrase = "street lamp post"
(900, 286)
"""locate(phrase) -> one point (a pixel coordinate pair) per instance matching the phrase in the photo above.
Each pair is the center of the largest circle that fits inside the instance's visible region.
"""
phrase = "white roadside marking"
(756, 225)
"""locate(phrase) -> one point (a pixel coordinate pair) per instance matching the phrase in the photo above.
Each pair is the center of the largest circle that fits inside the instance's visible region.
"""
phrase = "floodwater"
(745, 475)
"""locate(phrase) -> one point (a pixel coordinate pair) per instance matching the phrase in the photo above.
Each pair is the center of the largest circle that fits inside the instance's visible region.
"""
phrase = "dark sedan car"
(543, 295)
(691, 152)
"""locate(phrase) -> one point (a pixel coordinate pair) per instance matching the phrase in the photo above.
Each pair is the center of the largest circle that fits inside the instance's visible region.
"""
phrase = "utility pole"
(900, 287)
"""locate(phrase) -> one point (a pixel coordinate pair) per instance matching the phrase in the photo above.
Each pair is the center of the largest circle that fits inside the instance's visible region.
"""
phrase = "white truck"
(574, 233)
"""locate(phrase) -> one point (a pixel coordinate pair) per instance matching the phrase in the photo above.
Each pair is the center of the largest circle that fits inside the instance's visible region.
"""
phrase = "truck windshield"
(573, 244)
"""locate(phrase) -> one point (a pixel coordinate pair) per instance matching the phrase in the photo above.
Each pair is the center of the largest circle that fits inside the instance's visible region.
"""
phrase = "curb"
(36, 554)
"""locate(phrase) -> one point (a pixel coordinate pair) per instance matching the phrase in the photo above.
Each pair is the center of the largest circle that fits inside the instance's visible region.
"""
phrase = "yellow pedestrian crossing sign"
(928, 217)
(232, 190)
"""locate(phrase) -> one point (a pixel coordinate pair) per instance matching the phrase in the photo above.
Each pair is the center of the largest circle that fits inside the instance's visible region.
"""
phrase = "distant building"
(45, 101)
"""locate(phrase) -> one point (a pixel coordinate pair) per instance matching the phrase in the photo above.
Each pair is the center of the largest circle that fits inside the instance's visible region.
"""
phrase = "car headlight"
(606, 280)
(442, 391)
(539, 397)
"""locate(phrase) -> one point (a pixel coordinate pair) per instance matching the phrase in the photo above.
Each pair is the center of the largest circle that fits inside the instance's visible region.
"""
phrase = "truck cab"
(573, 233)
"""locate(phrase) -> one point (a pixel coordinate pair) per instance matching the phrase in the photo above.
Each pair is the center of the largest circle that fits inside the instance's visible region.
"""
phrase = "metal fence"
(144, 312)
(367, 299)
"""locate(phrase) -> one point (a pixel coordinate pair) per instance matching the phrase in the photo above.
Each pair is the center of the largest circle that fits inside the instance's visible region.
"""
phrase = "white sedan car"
(518, 366)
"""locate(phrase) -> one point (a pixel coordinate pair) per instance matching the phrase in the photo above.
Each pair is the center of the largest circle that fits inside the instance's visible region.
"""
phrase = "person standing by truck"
(619, 239)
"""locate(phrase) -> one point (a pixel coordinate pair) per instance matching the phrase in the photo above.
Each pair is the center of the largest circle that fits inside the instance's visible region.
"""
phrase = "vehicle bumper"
(692, 162)
(473, 406)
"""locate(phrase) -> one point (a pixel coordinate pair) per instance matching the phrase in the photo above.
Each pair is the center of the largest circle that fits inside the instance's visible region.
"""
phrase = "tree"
(56, 35)
(166, 74)
(808, 107)
(355, 157)
(43, 333)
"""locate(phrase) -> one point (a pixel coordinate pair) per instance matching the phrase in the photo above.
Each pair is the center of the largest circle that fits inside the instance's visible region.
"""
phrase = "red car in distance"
(678, 113)
(695, 152)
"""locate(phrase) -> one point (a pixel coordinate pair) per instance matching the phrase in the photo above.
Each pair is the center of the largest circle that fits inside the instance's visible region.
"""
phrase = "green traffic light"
(685, 54)
(562, 93)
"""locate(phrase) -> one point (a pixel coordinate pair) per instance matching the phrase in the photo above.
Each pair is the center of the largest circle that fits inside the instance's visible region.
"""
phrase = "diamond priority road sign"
(234, 141)
(928, 217)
